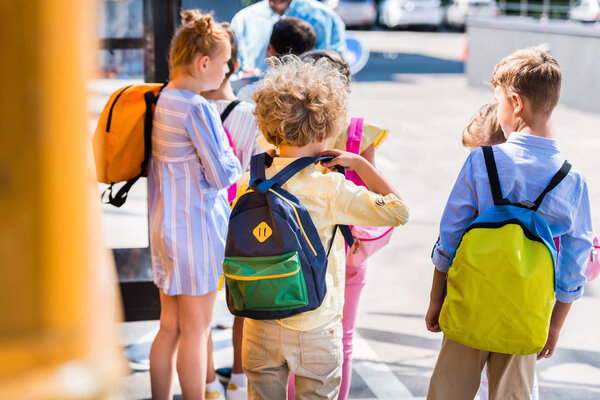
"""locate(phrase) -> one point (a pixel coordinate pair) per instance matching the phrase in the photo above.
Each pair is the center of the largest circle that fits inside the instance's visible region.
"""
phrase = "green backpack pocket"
(266, 283)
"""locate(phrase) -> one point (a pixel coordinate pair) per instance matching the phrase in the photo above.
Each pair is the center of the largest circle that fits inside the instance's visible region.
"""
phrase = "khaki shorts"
(270, 352)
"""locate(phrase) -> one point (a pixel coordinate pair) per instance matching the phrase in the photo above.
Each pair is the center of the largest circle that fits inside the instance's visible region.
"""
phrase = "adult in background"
(253, 26)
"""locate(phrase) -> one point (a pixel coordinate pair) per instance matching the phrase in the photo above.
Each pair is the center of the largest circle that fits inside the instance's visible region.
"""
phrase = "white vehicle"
(585, 11)
(460, 10)
(400, 13)
(355, 13)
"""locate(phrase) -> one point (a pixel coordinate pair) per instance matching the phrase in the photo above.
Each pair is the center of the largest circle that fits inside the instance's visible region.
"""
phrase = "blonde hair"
(484, 128)
(198, 34)
(300, 102)
(532, 73)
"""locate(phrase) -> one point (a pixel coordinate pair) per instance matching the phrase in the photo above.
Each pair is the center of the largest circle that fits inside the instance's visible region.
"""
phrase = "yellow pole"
(57, 330)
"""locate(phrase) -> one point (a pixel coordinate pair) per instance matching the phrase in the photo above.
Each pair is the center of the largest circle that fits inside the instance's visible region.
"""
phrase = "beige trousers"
(458, 369)
(270, 352)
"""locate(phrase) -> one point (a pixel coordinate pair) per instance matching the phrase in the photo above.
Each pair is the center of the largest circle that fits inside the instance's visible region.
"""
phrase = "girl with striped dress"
(191, 167)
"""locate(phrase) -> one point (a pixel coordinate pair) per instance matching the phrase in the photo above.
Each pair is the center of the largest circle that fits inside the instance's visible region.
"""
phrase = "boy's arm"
(573, 256)
(367, 172)
(460, 211)
(436, 300)
(559, 314)
(575, 247)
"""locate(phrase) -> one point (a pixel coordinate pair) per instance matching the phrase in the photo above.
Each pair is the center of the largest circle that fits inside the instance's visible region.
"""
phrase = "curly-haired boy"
(299, 106)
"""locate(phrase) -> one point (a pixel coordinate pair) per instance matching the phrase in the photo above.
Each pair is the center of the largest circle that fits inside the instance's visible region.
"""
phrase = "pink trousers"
(355, 281)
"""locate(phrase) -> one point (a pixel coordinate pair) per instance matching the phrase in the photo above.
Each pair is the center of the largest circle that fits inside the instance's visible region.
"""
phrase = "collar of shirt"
(527, 140)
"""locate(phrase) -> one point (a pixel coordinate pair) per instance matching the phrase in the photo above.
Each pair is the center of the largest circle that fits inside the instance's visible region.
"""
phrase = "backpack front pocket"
(266, 283)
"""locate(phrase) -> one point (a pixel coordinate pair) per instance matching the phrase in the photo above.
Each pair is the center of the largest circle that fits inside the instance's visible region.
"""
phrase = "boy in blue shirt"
(526, 88)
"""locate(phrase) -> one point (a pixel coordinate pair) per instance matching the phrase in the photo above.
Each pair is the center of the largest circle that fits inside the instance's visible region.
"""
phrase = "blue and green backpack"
(274, 264)
(500, 289)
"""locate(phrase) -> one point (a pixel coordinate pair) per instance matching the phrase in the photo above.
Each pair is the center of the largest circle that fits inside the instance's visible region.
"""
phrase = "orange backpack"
(123, 139)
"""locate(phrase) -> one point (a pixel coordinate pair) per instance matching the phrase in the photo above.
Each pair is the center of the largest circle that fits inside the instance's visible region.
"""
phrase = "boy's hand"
(548, 350)
(347, 160)
(433, 313)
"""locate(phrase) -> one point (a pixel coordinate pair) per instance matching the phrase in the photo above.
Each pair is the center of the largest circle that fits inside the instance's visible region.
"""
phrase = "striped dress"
(241, 125)
(191, 165)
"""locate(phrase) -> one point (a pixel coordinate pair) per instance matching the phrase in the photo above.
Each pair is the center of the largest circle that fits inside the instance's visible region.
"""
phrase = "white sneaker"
(235, 392)
(216, 395)
(214, 391)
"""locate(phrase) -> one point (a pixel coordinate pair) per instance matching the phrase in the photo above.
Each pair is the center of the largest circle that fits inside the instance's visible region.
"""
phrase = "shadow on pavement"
(387, 66)
(400, 315)
(399, 338)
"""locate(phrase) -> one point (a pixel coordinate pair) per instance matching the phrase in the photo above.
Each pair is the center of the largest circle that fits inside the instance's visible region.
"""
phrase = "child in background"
(526, 87)
(290, 36)
(191, 165)
(242, 128)
(241, 123)
(483, 129)
(299, 107)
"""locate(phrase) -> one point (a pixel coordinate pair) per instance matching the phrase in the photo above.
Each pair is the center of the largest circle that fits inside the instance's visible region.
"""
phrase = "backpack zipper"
(112, 106)
(254, 278)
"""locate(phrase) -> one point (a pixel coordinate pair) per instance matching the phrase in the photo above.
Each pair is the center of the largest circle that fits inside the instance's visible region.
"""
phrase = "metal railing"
(545, 9)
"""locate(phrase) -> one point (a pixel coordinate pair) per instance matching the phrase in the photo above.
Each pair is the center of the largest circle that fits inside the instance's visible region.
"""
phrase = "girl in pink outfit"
(369, 137)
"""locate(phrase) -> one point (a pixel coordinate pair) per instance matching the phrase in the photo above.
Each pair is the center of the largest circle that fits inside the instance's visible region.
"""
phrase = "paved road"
(414, 85)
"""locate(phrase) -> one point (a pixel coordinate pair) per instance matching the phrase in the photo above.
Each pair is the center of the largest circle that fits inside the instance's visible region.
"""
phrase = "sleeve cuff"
(568, 297)
(440, 262)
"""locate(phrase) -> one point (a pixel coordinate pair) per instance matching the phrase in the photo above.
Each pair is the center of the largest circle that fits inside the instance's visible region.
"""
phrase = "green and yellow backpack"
(500, 289)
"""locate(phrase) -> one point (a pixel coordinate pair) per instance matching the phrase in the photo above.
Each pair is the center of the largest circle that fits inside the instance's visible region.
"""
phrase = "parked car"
(460, 10)
(355, 13)
(402, 13)
(585, 11)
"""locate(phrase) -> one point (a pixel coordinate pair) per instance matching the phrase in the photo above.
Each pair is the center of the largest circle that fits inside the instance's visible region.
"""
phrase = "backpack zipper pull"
(221, 282)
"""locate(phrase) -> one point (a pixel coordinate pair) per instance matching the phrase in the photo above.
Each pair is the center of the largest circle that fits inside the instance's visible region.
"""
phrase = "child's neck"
(536, 126)
(310, 150)
(224, 92)
(187, 82)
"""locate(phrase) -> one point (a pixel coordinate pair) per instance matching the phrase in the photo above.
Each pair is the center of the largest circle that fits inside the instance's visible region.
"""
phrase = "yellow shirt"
(372, 135)
(331, 200)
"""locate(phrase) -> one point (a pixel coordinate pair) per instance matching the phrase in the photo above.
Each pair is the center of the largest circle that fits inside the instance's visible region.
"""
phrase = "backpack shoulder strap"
(556, 179)
(229, 109)
(492, 171)
(258, 162)
(355, 131)
(298, 165)
(346, 233)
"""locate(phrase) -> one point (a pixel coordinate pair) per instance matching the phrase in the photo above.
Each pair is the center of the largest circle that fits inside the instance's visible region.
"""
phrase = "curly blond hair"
(532, 73)
(198, 34)
(300, 102)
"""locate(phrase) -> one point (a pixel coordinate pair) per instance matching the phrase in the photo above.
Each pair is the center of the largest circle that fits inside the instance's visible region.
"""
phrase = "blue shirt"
(525, 166)
(253, 26)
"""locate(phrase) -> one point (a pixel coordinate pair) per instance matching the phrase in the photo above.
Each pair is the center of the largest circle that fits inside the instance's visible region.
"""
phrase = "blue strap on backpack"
(275, 263)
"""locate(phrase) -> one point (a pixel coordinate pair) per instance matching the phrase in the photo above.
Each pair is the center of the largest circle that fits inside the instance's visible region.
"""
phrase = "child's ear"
(271, 51)
(202, 62)
(517, 102)
(236, 67)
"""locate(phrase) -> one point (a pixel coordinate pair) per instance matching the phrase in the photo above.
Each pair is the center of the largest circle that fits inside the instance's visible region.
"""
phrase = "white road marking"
(377, 375)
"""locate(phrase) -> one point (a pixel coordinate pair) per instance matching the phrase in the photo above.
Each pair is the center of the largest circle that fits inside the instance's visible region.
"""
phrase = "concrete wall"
(577, 48)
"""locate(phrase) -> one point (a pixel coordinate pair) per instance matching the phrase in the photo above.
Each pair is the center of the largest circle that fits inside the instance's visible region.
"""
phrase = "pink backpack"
(367, 239)
(232, 190)
(592, 269)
